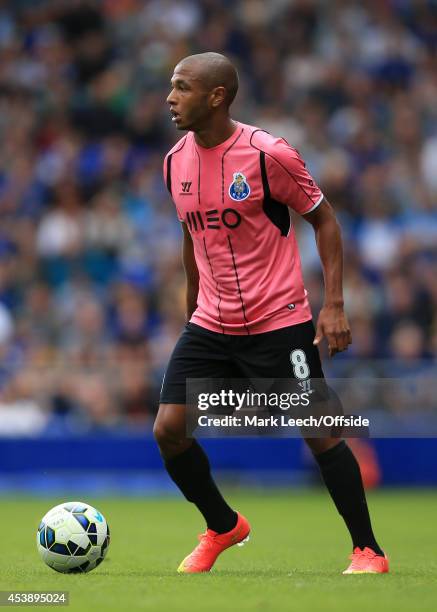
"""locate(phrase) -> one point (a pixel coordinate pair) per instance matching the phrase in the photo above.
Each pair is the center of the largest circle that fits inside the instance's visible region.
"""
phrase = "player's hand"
(333, 325)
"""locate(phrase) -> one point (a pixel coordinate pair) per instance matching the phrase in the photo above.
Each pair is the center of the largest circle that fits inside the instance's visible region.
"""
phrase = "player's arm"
(191, 271)
(188, 259)
(290, 183)
(332, 322)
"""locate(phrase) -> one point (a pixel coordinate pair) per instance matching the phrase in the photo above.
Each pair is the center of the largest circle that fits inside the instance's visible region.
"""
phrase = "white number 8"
(299, 362)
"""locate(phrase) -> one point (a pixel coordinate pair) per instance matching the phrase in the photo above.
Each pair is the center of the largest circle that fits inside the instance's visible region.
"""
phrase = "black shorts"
(199, 353)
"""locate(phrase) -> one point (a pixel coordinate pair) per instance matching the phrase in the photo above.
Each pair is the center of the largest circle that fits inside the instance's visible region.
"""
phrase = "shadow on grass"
(289, 573)
(219, 574)
(269, 572)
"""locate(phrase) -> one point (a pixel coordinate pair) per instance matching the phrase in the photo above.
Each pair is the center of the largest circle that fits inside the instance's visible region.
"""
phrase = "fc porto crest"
(239, 188)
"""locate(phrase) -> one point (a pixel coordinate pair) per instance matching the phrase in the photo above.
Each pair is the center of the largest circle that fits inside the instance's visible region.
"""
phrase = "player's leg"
(339, 468)
(197, 354)
(289, 352)
(188, 466)
(341, 474)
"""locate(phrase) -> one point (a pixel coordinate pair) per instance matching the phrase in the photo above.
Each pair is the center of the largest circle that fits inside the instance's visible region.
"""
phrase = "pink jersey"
(235, 199)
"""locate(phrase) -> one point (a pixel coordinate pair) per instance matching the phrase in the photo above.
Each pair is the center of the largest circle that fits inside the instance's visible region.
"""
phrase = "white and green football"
(73, 537)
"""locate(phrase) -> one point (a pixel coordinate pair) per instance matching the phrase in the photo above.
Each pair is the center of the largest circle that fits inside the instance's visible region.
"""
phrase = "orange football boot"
(366, 561)
(212, 544)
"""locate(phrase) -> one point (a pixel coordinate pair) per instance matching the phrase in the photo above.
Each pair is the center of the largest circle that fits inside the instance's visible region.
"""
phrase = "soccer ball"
(73, 538)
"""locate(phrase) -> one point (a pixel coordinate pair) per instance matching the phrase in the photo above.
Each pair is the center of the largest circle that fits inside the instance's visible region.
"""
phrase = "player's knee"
(161, 432)
(165, 433)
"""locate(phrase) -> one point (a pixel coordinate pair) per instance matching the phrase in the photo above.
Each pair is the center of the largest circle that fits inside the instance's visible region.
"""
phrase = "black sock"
(191, 472)
(341, 473)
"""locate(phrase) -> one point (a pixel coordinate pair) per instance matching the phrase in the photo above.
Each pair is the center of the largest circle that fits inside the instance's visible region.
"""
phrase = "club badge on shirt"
(239, 188)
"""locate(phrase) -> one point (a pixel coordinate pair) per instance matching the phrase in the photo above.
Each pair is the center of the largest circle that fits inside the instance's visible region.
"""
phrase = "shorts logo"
(239, 188)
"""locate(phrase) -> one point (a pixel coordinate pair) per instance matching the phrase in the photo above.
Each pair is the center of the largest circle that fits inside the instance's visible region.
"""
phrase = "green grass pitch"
(293, 561)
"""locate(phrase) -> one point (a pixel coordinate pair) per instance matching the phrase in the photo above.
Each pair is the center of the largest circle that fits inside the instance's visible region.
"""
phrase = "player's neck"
(218, 131)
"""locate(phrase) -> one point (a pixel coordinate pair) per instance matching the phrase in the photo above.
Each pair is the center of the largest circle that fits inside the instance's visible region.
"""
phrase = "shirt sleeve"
(289, 180)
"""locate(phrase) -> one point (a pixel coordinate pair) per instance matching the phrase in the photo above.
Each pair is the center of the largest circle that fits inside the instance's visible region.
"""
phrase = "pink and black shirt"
(235, 200)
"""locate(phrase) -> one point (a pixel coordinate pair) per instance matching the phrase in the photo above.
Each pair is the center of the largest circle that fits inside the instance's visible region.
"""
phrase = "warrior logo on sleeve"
(239, 188)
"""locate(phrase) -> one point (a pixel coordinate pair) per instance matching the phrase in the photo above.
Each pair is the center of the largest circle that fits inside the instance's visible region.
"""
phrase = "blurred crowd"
(91, 286)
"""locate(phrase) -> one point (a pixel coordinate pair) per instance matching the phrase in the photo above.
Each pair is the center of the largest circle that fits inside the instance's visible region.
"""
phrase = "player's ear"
(217, 96)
